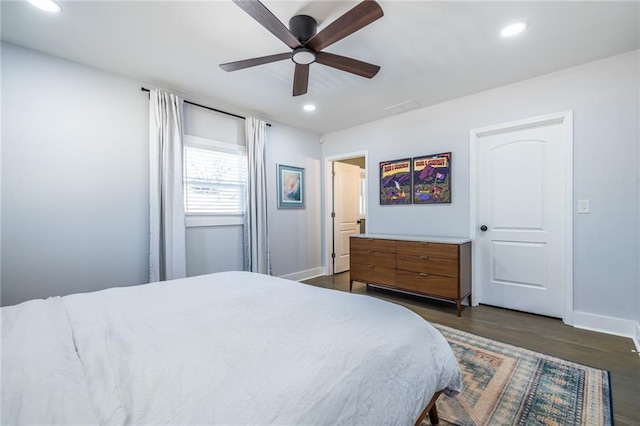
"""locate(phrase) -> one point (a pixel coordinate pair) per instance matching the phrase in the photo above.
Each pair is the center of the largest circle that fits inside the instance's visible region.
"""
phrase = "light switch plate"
(584, 206)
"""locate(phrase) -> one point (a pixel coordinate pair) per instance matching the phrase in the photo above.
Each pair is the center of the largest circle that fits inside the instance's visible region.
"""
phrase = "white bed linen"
(242, 348)
(42, 378)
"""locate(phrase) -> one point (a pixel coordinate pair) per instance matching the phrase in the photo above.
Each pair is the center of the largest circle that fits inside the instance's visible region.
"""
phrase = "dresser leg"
(350, 285)
(470, 304)
(459, 305)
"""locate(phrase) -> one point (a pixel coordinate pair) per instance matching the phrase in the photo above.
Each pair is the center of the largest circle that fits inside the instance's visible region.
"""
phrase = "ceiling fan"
(306, 45)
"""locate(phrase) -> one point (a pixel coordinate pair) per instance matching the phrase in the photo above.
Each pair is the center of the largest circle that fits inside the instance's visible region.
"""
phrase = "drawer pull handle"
(422, 274)
(370, 239)
(371, 252)
(424, 257)
(371, 266)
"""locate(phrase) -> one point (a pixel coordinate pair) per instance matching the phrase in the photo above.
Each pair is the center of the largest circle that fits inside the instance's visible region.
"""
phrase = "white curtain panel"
(167, 225)
(256, 248)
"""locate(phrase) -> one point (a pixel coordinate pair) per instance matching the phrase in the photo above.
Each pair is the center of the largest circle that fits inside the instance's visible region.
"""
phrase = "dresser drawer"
(434, 285)
(371, 257)
(373, 274)
(429, 265)
(387, 246)
(415, 248)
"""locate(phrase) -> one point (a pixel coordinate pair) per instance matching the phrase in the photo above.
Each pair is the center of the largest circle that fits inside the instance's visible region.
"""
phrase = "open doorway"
(345, 196)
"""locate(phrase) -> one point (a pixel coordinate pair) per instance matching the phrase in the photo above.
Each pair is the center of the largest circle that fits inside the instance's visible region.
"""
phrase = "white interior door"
(346, 193)
(521, 202)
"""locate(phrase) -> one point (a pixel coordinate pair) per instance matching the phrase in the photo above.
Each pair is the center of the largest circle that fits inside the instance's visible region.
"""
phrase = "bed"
(226, 348)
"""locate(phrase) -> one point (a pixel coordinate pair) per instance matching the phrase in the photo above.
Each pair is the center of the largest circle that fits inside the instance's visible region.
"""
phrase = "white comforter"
(42, 378)
(242, 348)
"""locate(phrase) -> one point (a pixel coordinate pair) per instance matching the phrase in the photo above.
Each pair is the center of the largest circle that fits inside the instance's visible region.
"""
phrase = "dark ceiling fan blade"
(357, 18)
(238, 65)
(300, 80)
(354, 66)
(260, 13)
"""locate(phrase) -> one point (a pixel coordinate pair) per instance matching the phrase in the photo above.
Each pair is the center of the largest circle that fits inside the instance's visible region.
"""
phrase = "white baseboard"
(636, 339)
(304, 275)
(604, 324)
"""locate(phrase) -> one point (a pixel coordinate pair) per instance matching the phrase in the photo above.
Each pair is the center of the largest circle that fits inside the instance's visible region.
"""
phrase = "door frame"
(565, 119)
(328, 197)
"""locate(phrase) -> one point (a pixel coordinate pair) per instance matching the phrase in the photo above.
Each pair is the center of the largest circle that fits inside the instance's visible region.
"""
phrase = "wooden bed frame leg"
(433, 415)
(431, 410)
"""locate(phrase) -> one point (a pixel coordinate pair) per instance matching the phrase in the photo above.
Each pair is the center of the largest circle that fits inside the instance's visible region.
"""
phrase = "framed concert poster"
(395, 182)
(432, 179)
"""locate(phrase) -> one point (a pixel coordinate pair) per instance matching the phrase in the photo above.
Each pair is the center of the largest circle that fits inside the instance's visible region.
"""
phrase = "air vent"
(402, 107)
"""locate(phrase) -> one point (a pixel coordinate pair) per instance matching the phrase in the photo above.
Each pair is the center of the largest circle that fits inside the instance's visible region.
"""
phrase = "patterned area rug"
(507, 385)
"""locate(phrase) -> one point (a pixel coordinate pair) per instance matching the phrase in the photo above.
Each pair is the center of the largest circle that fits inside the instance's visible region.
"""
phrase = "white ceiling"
(429, 52)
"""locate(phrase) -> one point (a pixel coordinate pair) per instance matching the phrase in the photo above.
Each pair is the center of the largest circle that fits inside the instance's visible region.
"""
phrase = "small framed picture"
(290, 187)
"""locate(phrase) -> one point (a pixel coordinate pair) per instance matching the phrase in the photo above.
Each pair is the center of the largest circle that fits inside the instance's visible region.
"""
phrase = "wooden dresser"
(429, 266)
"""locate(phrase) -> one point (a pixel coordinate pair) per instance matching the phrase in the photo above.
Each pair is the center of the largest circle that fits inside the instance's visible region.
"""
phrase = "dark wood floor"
(534, 332)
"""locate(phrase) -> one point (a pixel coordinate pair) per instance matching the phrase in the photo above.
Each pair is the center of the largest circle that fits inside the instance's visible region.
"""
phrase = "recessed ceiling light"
(513, 29)
(309, 107)
(47, 5)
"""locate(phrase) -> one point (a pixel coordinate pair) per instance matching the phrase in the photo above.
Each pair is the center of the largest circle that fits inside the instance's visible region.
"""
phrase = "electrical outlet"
(584, 206)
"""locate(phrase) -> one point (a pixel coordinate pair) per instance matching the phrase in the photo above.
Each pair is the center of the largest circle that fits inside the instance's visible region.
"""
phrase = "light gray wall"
(209, 124)
(214, 249)
(75, 178)
(294, 234)
(604, 98)
(75, 182)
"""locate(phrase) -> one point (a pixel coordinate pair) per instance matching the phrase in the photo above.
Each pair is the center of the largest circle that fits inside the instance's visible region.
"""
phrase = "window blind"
(214, 181)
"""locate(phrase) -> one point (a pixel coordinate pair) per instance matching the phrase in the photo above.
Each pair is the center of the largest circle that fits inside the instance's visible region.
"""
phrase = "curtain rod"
(144, 89)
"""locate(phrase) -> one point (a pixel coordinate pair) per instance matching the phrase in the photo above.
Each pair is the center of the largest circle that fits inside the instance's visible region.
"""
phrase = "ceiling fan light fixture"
(47, 5)
(513, 29)
(303, 56)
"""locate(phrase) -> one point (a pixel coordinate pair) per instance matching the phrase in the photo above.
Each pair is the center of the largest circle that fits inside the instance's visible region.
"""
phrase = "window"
(215, 177)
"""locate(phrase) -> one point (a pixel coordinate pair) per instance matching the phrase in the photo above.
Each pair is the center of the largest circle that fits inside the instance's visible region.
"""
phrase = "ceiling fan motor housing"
(303, 27)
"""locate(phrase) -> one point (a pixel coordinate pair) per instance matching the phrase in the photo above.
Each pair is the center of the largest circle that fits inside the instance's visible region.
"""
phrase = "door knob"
(483, 228)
